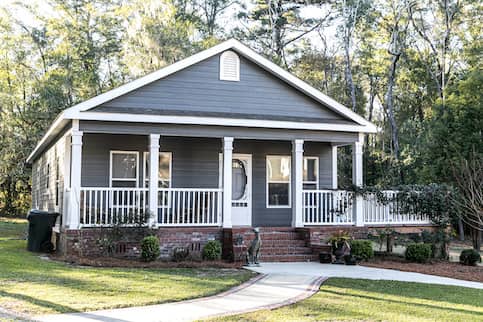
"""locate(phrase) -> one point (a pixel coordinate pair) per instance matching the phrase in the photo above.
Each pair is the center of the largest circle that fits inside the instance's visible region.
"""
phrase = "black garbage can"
(40, 230)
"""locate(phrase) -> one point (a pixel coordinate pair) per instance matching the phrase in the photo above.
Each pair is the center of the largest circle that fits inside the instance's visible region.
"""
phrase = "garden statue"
(253, 252)
(340, 246)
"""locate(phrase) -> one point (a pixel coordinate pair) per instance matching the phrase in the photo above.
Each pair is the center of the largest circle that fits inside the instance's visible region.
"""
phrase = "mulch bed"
(136, 263)
(440, 268)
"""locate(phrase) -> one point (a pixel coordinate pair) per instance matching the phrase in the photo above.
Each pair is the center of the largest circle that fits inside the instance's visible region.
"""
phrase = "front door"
(241, 190)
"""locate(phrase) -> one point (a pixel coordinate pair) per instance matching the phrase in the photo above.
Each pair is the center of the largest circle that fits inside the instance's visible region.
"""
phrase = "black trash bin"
(40, 230)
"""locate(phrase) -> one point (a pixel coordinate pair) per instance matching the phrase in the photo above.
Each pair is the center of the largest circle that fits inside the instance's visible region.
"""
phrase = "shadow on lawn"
(42, 303)
(436, 293)
(429, 306)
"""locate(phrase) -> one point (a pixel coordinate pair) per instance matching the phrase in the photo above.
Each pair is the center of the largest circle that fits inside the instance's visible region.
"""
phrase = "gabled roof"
(82, 110)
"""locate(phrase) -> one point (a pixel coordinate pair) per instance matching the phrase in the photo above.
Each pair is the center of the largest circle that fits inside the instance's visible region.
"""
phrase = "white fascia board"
(217, 121)
(58, 123)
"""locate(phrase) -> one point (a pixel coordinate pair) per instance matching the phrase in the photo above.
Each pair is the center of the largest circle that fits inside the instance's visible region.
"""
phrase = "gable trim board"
(219, 121)
(80, 111)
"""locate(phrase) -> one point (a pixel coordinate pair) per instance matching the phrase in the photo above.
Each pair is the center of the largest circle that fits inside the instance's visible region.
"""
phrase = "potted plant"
(340, 245)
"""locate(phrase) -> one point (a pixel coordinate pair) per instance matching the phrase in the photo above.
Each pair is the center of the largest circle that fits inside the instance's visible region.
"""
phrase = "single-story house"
(207, 148)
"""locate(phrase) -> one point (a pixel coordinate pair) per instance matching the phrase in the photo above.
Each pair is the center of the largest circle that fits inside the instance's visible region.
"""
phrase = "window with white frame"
(164, 172)
(311, 173)
(278, 181)
(124, 169)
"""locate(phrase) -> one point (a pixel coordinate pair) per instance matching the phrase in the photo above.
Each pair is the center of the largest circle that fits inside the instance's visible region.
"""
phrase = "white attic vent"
(229, 66)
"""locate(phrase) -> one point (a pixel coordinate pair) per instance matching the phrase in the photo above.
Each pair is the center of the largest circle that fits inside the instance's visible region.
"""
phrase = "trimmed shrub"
(470, 257)
(150, 248)
(362, 249)
(419, 253)
(212, 250)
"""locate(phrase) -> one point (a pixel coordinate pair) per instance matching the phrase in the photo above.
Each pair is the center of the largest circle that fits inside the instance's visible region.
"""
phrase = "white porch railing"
(327, 207)
(189, 207)
(389, 211)
(110, 206)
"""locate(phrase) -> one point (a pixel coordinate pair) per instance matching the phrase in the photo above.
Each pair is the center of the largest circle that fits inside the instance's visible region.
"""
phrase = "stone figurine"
(253, 252)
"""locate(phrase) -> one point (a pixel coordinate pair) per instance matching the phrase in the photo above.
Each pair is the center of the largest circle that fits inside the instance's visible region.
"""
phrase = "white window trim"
(267, 182)
(222, 67)
(146, 171)
(111, 153)
(316, 182)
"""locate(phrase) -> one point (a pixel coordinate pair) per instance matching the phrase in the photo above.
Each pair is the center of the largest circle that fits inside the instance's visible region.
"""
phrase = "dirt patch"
(135, 263)
(440, 268)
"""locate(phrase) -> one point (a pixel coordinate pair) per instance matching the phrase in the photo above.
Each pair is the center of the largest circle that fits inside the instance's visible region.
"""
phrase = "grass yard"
(365, 300)
(31, 285)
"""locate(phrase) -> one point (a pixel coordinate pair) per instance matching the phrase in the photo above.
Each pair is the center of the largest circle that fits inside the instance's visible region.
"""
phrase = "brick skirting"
(92, 242)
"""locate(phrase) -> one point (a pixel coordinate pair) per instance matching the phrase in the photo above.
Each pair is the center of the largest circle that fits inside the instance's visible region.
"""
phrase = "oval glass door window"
(239, 180)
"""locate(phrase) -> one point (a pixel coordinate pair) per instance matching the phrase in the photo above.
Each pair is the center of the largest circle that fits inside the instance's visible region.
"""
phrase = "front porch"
(215, 182)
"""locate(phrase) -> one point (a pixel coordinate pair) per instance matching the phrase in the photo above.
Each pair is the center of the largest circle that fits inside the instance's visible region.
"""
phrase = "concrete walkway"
(330, 270)
(263, 292)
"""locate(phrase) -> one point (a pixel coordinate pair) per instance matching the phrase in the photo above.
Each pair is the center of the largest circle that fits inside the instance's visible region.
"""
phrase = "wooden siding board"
(198, 88)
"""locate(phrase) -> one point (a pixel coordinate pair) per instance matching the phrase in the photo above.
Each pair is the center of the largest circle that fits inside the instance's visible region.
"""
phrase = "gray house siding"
(196, 164)
(48, 177)
(195, 161)
(197, 90)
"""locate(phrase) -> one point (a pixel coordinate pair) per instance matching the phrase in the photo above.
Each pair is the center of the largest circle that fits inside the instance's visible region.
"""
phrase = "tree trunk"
(348, 74)
(477, 235)
(461, 230)
(390, 105)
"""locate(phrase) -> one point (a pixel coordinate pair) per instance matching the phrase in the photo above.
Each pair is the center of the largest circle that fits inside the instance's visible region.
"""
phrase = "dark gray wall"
(196, 164)
(197, 90)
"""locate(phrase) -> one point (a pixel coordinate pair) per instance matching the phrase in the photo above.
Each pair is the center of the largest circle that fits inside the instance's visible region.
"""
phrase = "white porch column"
(357, 179)
(66, 196)
(297, 161)
(75, 179)
(153, 178)
(227, 185)
(334, 167)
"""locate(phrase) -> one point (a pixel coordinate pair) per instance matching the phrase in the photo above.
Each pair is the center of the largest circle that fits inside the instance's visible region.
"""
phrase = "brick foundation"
(90, 242)
(278, 243)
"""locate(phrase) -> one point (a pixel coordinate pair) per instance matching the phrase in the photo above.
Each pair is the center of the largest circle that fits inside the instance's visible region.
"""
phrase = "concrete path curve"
(331, 270)
(262, 292)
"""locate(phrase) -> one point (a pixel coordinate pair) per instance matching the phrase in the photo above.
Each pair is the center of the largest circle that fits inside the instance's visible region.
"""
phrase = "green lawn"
(365, 300)
(31, 285)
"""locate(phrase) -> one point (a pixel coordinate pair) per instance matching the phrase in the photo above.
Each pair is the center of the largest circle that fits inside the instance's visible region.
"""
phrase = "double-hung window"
(124, 169)
(164, 171)
(278, 181)
(311, 173)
